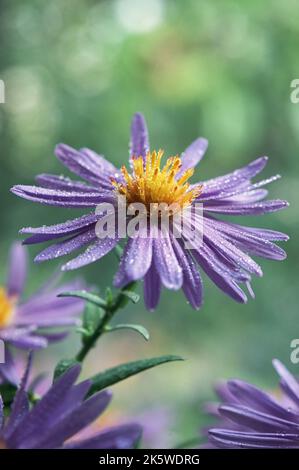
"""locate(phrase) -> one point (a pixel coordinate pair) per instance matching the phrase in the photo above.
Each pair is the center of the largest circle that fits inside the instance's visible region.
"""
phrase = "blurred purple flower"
(251, 418)
(24, 324)
(221, 249)
(59, 415)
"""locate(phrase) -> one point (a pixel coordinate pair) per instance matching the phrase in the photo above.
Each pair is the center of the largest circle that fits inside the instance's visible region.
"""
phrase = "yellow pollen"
(149, 183)
(6, 308)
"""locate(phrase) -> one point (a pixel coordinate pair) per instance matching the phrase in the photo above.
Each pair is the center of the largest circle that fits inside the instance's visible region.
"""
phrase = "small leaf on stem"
(138, 328)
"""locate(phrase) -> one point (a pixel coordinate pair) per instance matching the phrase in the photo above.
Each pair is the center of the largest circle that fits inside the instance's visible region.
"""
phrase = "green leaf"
(82, 294)
(123, 371)
(131, 295)
(7, 392)
(91, 319)
(63, 366)
(139, 328)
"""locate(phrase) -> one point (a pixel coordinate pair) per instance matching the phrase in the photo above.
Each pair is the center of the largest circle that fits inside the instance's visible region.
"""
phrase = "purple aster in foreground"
(60, 414)
(25, 324)
(220, 248)
(251, 418)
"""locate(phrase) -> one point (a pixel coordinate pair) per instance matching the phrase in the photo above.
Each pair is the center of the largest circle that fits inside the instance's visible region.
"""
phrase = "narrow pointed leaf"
(123, 371)
(131, 295)
(138, 328)
(82, 294)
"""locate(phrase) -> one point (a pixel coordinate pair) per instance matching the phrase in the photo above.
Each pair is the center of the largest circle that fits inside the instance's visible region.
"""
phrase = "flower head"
(162, 258)
(24, 324)
(252, 418)
(59, 415)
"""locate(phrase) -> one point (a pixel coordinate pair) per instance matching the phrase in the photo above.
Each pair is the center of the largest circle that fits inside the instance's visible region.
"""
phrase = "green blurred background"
(75, 72)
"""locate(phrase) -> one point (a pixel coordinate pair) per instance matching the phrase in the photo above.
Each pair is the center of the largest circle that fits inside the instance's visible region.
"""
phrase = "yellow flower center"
(6, 309)
(149, 183)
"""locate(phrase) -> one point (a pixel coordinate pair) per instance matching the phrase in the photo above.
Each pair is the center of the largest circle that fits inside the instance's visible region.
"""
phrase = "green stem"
(110, 309)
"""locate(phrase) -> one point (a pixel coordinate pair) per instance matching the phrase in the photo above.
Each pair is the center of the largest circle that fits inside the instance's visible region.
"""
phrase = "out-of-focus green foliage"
(74, 72)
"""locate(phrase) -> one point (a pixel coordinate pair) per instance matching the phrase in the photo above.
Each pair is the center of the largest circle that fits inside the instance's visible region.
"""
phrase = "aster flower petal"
(67, 246)
(8, 372)
(83, 164)
(152, 288)
(258, 208)
(137, 266)
(69, 423)
(1, 413)
(44, 410)
(24, 337)
(17, 270)
(193, 154)
(52, 197)
(65, 183)
(20, 406)
(251, 418)
(289, 383)
(166, 262)
(139, 144)
(120, 437)
(93, 253)
(192, 283)
(214, 187)
(252, 440)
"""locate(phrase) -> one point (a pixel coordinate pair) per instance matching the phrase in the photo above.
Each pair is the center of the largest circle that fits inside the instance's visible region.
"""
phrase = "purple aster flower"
(220, 248)
(251, 418)
(25, 324)
(60, 414)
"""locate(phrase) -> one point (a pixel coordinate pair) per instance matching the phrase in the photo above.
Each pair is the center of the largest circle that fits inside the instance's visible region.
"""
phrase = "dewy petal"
(193, 154)
(71, 423)
(67, 246)
(66, 184)
(50, 232)
(138, 257)
(43, 415)
(17, 270)
(151, 288)
(226, 182)
(166, 262)
(119, 437)
(20, 406)
(225, 438)
(83, 163)
(24, 338)
(139, 144)
(192, 283)
(93, 253)
(61, 198)
(291, 385)
(257, 420)
(258, 208)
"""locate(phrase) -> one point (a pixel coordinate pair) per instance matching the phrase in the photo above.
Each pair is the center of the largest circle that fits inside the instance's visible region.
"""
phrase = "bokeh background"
(75, 72)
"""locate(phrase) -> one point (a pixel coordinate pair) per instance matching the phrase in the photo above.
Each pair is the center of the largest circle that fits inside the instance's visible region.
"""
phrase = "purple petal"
(93, 253)
(84, 164)
(256, 420)
(138, 257)
(193, 154)
(67, 184)
(17, 270)
(67, 246)
(166, 262)
(151, 288)
(52, 197)
(139, 145)
(70, 423)
(119, 437)
(290, 384)
(20, 406)
(192, 283)
(224, 438)
(258, 208)
(43, 415)
(8, 370)
(51, 232)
